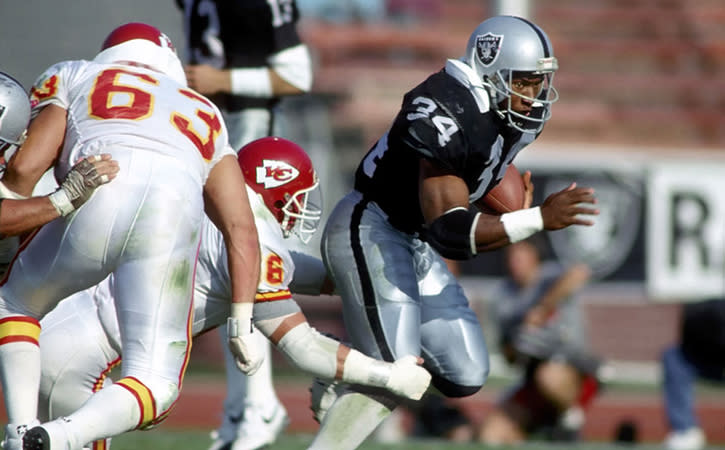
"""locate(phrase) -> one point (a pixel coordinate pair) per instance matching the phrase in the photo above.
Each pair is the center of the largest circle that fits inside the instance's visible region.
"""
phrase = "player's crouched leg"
(138, 404)
(155, 397)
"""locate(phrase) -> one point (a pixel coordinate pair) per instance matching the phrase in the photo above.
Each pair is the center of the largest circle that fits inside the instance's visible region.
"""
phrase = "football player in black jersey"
(413, 204)
(246, 56)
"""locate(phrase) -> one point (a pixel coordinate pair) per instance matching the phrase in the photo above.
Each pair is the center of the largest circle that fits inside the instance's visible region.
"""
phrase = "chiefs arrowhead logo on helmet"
(274, 173)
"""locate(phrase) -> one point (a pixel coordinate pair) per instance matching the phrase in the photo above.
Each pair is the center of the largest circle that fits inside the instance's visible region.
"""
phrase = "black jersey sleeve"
(426, 126)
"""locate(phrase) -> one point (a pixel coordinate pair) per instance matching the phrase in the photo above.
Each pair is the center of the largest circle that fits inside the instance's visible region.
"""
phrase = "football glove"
(243, 346)
(78, 185)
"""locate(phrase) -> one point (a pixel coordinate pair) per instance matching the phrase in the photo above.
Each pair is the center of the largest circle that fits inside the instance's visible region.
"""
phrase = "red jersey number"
(140, 104)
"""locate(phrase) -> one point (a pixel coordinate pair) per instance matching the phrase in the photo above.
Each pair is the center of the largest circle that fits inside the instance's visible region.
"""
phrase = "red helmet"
(142, 44)
(137, 30)
(282, 174)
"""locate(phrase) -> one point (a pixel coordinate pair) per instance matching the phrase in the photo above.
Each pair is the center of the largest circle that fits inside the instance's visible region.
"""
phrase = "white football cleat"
(690, 439)
(258, 430)
(14, 433)
(408, 379)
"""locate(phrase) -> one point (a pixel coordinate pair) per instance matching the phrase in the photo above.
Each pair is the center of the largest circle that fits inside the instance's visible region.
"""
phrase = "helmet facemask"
(503, 87)
(8, 147)
(302, 213)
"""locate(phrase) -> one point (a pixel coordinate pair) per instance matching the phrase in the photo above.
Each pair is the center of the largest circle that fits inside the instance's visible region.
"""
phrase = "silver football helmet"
(506, 46)
(14, 113)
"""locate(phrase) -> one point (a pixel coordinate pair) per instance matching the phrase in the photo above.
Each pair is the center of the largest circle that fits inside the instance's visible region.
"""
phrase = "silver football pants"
(399, 298)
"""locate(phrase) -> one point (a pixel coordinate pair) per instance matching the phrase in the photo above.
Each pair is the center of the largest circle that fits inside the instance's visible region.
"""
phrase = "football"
(508, 195)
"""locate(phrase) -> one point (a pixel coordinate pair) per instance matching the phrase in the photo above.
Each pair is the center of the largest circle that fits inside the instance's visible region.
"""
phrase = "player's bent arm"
(38, 153)
(324, 357)
(453, 228)
(227, 205)
(18, 216)
(289, 73)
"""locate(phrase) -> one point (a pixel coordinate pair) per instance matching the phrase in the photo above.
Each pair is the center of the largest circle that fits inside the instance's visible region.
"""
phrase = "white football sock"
(20, 368)
(109, 412)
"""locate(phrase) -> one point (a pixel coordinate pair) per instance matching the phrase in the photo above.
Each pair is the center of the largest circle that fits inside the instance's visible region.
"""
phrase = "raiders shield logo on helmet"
(487, 47)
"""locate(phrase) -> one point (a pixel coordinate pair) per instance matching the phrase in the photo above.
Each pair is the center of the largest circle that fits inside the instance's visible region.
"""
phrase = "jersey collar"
(467, 77)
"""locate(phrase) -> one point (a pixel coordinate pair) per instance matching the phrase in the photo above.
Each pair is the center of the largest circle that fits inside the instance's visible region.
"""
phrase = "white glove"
(78, 186)
(245, 349)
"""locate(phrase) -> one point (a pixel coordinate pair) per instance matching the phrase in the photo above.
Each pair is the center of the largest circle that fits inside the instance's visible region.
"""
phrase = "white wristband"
(522, 223)
(252, 82)
(59, 199)
(241, 319)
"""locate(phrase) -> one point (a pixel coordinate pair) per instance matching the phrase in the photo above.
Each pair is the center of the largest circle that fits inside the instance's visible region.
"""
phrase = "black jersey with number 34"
(439, 120)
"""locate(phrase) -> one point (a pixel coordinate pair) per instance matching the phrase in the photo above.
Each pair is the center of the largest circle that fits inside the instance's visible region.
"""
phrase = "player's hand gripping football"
(242, 344)
(569, 207)
(78, 186)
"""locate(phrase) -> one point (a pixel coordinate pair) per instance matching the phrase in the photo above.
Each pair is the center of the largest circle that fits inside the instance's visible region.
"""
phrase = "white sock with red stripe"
(109, 412)
(20, 374)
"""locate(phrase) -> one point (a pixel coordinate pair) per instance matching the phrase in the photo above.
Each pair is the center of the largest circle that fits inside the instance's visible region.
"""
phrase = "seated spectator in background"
(542, 332)
(700, 353)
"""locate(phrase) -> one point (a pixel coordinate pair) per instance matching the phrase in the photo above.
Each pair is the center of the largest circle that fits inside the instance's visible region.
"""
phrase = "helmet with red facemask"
(142, 45)
(282, 174)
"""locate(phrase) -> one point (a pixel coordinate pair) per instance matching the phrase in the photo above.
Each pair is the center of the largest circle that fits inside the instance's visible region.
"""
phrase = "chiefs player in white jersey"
(131, 101)
(80, 341)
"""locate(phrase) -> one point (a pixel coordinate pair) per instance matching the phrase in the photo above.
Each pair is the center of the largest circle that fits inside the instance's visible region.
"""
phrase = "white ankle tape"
(522, 223)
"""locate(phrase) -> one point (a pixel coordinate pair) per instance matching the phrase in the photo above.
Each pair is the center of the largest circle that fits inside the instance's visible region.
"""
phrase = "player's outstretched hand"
(78, 186)
(569, 206)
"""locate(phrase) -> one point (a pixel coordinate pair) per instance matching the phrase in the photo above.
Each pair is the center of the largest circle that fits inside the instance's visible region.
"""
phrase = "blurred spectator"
(366, 11)
(700, 353)
(411, 11)
(541, 332)
(439, 417)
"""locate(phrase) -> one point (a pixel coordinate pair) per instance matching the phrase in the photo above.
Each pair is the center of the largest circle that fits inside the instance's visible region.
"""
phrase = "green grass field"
(196, 440)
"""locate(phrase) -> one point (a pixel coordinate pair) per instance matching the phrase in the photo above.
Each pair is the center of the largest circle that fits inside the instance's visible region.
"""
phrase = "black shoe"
(36, 438)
